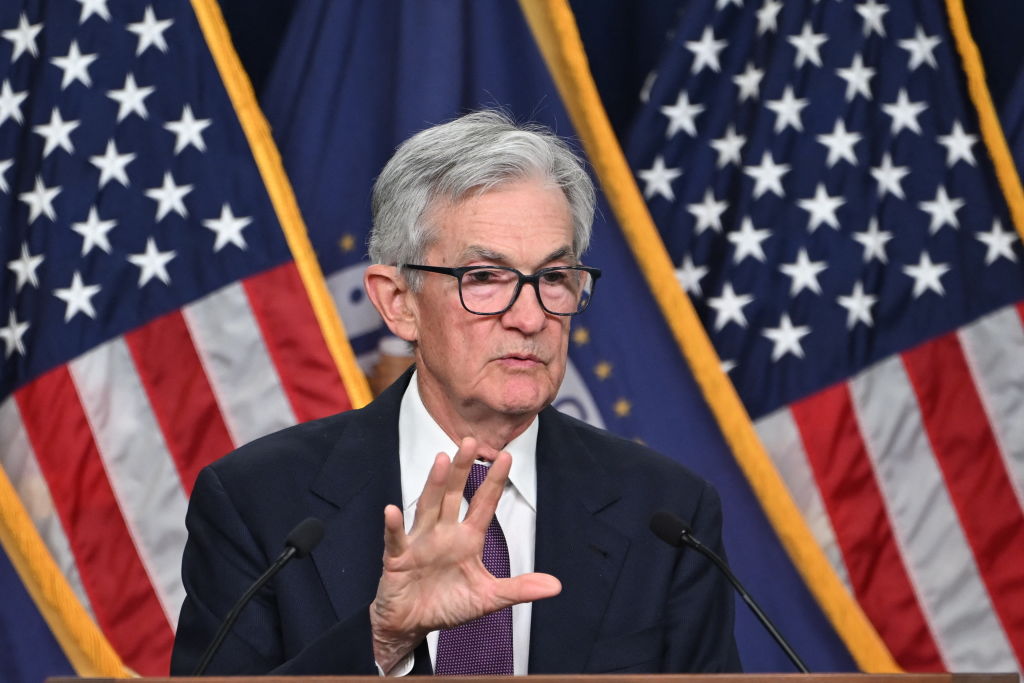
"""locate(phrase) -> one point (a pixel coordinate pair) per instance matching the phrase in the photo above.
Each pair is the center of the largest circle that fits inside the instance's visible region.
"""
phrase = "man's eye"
(480, 276)
(556, 277)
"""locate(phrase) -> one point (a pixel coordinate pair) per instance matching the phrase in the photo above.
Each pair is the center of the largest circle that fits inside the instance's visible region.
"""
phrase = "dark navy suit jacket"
(629, 603)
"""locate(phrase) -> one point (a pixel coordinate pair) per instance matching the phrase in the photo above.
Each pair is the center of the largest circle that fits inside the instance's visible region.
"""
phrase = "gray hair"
(472, 154)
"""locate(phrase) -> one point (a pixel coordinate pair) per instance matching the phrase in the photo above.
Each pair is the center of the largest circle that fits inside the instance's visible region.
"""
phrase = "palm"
(434, 576)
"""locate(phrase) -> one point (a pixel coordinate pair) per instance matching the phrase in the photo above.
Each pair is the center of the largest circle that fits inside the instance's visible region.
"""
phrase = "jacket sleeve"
(704, 644)
(222, 559)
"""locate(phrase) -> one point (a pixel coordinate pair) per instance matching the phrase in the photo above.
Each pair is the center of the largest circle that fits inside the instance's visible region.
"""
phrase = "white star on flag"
(10, 103)
(169, 197)
(840, 144)
(12, 333)
(927, 275)
(748, 82)
(24, 268)
(889, 177)
(942, 210)
(152, 263)
(904, 113)
(803, 273)
(872, 12)
(858, 306)
(787, 110)
(748, 241)
(75, 66)
(999, 242)
(659, 179)
(40, 200)
(94, 232)
(131, 99)
(807, 44)
(228, 229)
(708, 212)
(729, 307)
(112, 165)
(681, 115)
(958, 145)
(188, 130)
(786, 338)
(858, 78)
(921, 49)
(91, 7)
(728, 147)
(23, 38)
(705, 51)
(768, 16)
(77, 298)
(5, 164)
(767, 176)
(873, 240)
(150, 32)
(822, 208)
(57, 133)
(689, 276)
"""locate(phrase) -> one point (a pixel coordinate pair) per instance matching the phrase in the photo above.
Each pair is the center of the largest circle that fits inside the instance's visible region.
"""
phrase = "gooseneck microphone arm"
(676, 532)
(302, 539)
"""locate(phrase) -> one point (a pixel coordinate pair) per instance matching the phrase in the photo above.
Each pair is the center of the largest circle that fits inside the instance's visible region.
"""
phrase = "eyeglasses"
(492, 290)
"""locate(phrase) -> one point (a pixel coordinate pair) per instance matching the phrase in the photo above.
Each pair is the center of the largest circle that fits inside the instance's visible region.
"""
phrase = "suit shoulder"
(300, 448)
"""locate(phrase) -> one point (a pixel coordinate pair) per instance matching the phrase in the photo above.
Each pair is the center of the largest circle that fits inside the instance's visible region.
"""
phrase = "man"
(479, 226)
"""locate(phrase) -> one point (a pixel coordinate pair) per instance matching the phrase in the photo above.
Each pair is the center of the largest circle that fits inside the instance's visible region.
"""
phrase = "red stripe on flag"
(119, 588)
(975, 474)
(295, 342)
(180, 394)
(846, 479)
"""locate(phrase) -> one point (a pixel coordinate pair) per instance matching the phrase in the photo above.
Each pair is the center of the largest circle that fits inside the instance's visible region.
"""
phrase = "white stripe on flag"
(19, 462)
(238, 365)
(994, 349)
(138, 464)
(781, 438)
(935, 551)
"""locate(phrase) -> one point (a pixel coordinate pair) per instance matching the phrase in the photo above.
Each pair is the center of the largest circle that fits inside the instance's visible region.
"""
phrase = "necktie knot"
(477, 474)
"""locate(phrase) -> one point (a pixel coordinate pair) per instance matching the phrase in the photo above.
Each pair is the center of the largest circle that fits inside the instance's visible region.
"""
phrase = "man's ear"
(393, 299)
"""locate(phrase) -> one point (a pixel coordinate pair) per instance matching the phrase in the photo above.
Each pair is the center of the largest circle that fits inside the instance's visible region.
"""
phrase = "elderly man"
(479, 227)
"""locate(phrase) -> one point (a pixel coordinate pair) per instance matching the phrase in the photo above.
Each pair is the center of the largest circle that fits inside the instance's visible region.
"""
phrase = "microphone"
(300, 542)
(676, 532)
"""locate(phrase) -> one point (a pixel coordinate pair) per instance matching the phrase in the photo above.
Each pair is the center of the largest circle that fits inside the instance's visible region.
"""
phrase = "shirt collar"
(420, 438)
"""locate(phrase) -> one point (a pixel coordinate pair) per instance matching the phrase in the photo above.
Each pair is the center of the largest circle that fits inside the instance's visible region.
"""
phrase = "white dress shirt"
(420, 439)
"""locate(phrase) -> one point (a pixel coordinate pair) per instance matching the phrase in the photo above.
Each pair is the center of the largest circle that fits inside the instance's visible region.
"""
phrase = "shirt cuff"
(403, 668)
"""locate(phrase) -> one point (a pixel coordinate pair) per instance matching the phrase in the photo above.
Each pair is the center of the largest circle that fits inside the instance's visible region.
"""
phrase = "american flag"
(818, 176)
(152, 314)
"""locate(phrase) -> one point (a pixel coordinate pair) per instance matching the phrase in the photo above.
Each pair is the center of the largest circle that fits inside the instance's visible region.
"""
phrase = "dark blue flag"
(355, 79)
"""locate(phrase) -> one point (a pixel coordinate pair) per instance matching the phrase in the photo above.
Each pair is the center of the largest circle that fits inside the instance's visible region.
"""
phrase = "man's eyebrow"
(474, 252)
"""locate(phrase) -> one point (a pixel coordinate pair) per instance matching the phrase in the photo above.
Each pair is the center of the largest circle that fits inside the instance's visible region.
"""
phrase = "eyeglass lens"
(490, 290)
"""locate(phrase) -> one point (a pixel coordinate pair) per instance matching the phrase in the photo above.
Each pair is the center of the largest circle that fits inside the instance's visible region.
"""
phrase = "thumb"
(528, 588)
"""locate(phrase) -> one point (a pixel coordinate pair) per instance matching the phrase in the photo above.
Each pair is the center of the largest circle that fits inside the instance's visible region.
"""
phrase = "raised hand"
(434, 576)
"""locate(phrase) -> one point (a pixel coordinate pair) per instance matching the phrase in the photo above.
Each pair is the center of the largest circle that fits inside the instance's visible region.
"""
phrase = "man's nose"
(526, 313)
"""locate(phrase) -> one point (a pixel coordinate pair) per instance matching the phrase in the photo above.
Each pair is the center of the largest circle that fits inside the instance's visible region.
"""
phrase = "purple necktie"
(482, 646)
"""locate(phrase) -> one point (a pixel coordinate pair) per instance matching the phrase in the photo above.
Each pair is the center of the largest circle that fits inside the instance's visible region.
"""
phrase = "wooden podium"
(637, 678)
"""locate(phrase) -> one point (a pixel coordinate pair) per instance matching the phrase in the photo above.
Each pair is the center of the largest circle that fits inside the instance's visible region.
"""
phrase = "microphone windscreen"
(669, 528)
(305, 536)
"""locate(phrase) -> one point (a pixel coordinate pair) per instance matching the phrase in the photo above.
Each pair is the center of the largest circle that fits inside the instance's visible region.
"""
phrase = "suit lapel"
(358, 479)
(574, 545)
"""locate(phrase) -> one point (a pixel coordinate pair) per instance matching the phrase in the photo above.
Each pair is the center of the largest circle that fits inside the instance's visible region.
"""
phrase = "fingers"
(429, 503)
(394, 532)
(485, 501)
(457, 475)
(527, 588)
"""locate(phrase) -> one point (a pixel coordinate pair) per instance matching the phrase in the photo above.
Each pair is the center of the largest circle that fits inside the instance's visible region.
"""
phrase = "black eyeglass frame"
(534, 280)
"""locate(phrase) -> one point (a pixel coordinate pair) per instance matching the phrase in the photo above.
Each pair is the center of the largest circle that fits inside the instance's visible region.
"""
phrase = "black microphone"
(300, 542)
(676, 532)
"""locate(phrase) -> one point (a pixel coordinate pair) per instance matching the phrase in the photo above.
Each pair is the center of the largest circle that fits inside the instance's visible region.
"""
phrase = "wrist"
(390, 646)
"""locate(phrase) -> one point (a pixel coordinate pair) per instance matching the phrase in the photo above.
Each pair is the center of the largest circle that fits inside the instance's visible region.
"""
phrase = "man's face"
(508, 364)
